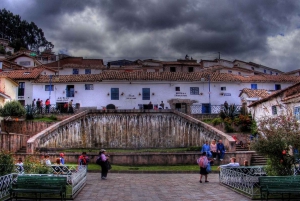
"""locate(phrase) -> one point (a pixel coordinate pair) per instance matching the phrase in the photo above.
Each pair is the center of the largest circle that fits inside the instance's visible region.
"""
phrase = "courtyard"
(155, 187)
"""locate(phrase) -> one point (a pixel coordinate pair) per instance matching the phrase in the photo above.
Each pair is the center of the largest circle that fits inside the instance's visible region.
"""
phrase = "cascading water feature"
(127, 130)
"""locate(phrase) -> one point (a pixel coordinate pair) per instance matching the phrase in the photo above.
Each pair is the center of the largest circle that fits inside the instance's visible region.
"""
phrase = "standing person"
(206, 148)
(226, 105)
(33, 103)
(202, 162)
(41, 106)
(62, 158)
(213, 149)
(70, 104)
(83, 159)
(221, 150)
(150, 106)
(47, 160)
(38, 105)
(162, 105)
(104, 167)
(47, 103)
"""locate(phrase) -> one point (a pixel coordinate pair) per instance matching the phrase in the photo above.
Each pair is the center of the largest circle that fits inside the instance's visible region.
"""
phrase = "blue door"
(206, 108)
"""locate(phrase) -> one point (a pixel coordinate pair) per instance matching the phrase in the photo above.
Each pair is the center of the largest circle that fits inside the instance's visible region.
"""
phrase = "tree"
(275, 137)
(20, 33)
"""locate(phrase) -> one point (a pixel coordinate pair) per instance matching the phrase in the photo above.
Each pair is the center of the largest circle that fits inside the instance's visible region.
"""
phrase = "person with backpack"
(83, 159)
(62, 158)
(203, 162)
(38, 105)
(103, 161)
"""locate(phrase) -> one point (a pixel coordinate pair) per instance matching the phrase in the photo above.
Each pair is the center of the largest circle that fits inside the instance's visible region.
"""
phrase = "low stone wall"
(12, 142)
(151, 158)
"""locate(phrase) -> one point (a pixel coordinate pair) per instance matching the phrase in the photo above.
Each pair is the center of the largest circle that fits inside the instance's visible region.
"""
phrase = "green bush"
(217, 121)
(6, 162)
(33, 165)
(274, 138)
(52, 117)
(194, 148)
(12, 108)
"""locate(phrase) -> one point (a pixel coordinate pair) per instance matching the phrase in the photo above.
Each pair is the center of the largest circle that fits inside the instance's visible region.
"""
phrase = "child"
(19, 165)
(62, 159)
(47, 160)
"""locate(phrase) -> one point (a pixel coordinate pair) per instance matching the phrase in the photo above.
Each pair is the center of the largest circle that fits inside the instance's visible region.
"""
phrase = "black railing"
(209, 109)
(51, 109)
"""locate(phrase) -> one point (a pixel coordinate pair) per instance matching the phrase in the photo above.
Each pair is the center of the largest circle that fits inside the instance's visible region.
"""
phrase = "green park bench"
(279, 185)
(38, 185)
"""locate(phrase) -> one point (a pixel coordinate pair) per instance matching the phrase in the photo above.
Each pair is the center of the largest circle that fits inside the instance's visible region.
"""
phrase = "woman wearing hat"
(104, 159)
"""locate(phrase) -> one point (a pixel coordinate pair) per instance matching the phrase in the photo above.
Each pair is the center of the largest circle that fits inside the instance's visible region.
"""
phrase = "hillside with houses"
(186, 85)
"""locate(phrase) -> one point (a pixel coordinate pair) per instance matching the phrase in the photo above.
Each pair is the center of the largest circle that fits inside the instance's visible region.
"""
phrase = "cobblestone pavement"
(155, 187)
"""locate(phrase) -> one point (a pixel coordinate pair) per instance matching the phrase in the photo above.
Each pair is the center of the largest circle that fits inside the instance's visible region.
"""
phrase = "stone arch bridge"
(127, 129)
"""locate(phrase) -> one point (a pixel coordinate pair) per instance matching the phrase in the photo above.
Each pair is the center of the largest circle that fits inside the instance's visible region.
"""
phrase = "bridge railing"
(243, 179)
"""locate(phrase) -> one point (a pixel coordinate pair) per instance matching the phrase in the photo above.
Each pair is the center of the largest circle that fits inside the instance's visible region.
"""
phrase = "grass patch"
(151, 168)
(171, 150)
(49, 119)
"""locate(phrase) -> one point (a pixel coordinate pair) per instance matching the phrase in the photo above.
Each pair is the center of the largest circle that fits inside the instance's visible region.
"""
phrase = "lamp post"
(209, 89)
(50, 86)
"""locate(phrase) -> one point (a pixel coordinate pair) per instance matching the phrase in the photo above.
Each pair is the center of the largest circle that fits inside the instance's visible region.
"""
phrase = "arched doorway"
(110, 107)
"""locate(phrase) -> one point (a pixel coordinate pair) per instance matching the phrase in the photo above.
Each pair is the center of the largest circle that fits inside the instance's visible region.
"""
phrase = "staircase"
(239, 148)
(22, 150)
(257, 159)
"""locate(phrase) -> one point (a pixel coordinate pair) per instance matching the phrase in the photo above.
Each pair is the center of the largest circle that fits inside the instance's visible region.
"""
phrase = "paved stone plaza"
(155, 187)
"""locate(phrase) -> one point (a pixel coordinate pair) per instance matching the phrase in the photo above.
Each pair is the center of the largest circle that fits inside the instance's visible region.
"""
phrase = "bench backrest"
(279, 181)
(30, 180)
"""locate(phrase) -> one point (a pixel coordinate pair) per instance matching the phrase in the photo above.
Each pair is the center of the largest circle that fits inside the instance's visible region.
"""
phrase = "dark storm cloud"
(165, 28)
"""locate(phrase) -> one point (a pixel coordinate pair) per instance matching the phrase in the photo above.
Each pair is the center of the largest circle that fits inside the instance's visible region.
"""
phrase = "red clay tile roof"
(289, 92)
(8, 65)
(169, 76)
(84, 66)
(78, 62)
(292, 72)
(255, 93)
(20, 54)
(29, 73)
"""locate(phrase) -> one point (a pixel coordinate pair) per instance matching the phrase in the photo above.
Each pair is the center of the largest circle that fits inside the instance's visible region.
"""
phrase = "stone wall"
(130, 129)
(13, 142)
(24, 127)
(150, 158)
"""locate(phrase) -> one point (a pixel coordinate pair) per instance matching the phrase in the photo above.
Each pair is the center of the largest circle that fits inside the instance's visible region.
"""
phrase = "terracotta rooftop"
(288, 93)
(29, 73)
(169, 76)
(20, 54)
(8, 65)
(256, 93)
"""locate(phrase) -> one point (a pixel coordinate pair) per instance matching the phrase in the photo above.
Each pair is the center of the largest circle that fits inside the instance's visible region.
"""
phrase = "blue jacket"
(205, 148)
(221, 148)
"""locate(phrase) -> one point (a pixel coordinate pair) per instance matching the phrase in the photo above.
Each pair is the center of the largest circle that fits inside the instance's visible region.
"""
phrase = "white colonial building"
(283, 102)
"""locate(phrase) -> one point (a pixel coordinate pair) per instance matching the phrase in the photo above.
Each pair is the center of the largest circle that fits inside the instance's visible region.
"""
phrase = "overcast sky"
(265, 32)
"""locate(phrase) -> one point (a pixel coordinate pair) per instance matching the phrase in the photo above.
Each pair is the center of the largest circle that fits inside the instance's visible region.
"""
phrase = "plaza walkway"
(155, 187)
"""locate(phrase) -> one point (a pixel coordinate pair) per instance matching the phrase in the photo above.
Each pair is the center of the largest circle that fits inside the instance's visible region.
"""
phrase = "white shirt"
(231, 165)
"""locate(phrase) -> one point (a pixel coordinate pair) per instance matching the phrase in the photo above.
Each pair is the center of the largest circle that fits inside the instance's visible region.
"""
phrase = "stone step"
(22, 150)
(257, 159)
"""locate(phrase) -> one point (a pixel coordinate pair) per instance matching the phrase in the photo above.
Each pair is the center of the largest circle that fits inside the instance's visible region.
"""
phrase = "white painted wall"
(163, 91)
(69, 71)
(19, 61)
